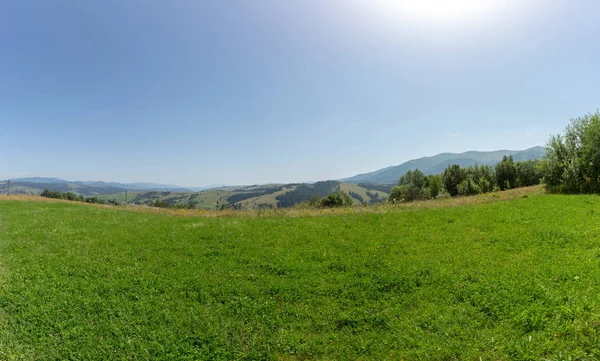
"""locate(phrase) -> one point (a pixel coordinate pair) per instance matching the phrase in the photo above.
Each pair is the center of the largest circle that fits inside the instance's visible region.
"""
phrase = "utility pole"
(125, 195)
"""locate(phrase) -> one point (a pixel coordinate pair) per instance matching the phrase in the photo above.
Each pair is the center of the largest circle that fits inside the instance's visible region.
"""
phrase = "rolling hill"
(255, 196)
(368, 188)
(437, 163)
(238, 197)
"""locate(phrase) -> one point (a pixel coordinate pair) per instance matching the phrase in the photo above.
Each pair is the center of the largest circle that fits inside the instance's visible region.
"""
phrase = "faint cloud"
(453, 134)
(527, 133)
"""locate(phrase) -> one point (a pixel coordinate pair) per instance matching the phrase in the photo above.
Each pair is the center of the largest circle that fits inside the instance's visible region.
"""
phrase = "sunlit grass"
(510, 275)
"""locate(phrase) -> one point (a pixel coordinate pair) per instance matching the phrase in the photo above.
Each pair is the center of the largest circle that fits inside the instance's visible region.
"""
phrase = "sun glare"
(439, 11)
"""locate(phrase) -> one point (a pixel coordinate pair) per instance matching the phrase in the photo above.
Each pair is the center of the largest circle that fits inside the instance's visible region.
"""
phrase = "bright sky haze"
(246, 92)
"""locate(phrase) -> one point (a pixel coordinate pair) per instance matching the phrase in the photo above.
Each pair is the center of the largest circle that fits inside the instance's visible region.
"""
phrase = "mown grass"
(510, 280)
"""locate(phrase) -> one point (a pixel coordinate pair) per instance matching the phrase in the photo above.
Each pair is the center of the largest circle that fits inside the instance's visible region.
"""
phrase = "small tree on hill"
(506, 173)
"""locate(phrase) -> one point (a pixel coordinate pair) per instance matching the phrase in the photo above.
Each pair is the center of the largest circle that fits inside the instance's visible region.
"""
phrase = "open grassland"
(494, 277)
(119, 197)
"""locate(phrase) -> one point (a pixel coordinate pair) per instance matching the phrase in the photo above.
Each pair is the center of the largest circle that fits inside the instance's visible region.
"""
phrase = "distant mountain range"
(386, 176)
(138, 186)
(38, 184)
(437, 163)
(131, 186)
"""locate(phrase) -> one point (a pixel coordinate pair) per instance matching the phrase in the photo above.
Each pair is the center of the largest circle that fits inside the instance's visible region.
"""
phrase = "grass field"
(476, 279)
(119, 197)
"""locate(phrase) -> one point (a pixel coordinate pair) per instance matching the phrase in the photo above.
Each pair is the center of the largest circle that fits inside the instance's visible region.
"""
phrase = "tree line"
(571, 165)
(572, 162)
(70, 196)
(471, 180)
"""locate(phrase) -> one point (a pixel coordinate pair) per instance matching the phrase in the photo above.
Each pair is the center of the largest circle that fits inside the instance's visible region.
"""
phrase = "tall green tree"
(434, 185)
(411, 187)
(572, 161)
(529, 173)
(453, 175)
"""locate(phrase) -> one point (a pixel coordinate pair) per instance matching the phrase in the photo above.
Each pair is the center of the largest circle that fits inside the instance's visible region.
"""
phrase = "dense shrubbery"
(572, 162)
(337, 199)
(475, 179)
(70, 196)
(160, 204)
(414, 185)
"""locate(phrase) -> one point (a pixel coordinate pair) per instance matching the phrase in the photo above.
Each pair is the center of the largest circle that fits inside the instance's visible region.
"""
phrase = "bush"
(52, 194)
(94, 200)
(337, 199)
(160, 204)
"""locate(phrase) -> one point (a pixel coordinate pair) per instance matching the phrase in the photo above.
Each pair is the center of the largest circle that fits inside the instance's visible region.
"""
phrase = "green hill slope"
(511, 280)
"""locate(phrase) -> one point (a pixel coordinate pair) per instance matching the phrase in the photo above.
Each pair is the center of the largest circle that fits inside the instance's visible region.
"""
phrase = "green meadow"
(506, 280)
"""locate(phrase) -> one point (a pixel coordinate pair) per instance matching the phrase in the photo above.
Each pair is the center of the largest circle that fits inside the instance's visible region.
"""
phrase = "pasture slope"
(474, 279)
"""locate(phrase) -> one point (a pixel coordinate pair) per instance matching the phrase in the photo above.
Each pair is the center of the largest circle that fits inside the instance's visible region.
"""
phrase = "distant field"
(119, 197)
(467, 279)
(243, 197)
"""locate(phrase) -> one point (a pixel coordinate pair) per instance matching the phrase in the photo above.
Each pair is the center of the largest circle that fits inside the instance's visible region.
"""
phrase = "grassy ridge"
(507, 280)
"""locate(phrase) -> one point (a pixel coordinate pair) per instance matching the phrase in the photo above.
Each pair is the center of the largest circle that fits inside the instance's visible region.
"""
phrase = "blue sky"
(244, 92)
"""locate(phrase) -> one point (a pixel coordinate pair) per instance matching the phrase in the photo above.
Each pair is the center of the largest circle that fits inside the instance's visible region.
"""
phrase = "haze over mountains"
(38, 184)
(429, 165)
